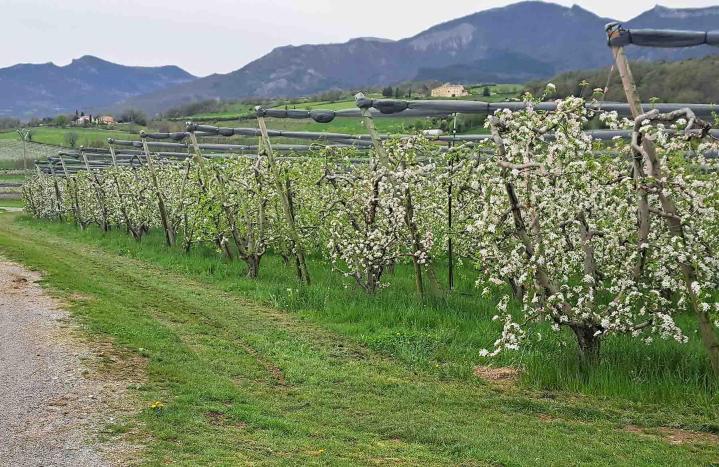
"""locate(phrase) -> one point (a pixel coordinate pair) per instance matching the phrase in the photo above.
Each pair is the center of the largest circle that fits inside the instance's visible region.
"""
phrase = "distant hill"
(692, 80)
(515, 43)
(88, 83)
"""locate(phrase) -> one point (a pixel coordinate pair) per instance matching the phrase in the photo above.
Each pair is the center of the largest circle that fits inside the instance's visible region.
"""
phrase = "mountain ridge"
(514, 43)
(541, 37)
(86, 83)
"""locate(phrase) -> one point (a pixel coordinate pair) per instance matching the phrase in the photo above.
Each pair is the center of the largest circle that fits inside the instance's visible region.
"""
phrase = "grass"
(91, 137)
(11, 178)
(499, 92)
(10, 203)
(10, 195)
(344, 125)
(444, 334)
(322, 105)
(251, 372)
(352, 125)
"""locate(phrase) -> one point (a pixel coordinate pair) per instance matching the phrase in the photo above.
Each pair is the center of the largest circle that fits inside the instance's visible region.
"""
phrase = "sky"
(219, 36)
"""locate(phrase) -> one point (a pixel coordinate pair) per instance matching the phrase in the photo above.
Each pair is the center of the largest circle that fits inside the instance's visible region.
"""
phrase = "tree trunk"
(253, 266)
(372, 281)
(589, 344)
(517, 289)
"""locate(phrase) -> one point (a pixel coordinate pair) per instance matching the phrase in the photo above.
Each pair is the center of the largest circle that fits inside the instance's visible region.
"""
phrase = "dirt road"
(50, 410)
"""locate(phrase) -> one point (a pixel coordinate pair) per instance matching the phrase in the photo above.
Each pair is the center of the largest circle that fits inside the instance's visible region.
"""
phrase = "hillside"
(692, 80)
(518, 42)
(87, 83)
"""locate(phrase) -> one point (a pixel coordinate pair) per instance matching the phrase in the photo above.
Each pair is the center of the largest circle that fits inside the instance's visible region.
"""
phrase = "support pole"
(118, 192)
(283, 192)
(72, 187)
(196, 151)
(204, 180)
(24, 152)
(706, 328)
(169, 232)
(58, 197)
(625, 73)
(99, 195)
(450, 251)
(112, 154)
(365, 106)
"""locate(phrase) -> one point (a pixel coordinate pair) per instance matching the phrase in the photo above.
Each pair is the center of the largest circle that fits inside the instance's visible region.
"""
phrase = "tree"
(134, 116)
(25, 136)
(60, 121)
(332, 95)
(486, 92)
(9, 123)
(71, 138)
(564, 230)
(388, 92)
(584, 241)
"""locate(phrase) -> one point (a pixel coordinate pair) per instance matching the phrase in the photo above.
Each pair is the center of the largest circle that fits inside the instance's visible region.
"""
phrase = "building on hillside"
(450, 90)
(83, 120)
(107, 120)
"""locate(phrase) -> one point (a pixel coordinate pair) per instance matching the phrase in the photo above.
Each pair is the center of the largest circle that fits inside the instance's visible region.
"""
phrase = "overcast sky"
(218, 36)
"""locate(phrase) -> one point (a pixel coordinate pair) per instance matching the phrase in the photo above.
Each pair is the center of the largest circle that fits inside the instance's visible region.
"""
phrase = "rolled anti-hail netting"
(665, 38)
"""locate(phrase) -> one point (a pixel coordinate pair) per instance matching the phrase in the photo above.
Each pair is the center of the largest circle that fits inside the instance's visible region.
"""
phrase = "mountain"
(87, 83)
(516, 43)
(690, 80)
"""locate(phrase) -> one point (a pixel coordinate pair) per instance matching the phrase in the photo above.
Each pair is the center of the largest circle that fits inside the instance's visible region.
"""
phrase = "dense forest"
(693, 80)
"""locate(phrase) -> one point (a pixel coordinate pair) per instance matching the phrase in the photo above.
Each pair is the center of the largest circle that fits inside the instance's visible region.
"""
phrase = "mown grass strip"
(244, 382)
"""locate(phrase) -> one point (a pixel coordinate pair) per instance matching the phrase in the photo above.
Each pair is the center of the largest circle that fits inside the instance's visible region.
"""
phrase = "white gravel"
(49, 410)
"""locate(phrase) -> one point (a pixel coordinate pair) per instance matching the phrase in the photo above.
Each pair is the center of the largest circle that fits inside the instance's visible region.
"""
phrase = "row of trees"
(615, 242)
(690, 80)
(61, 121)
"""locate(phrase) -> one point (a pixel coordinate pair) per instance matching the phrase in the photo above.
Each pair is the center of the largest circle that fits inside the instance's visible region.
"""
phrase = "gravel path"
(50, 409)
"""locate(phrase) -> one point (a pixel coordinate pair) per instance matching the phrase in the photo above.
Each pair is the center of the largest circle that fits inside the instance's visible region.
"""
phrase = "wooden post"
(450, 251)
(204, 184)
(285, 199)
(72, 187)
(112, 152)
(57, 191)
(197, 153)
(85, 160)
(169, 232)
(366, 109)
(706, 328)
(99, 195)
(365, 106)
(118, 192)
(24, 152)
(625, 73)
(30, 195)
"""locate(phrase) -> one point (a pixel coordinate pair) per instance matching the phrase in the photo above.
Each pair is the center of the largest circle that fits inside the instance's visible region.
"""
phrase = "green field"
(269, 371)
(92, 137)
(12, 152)
(13, 178)
(236, 109)
(11, 148)
(10, 203)
(10, 192)
(499, 93)
(340, 125)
